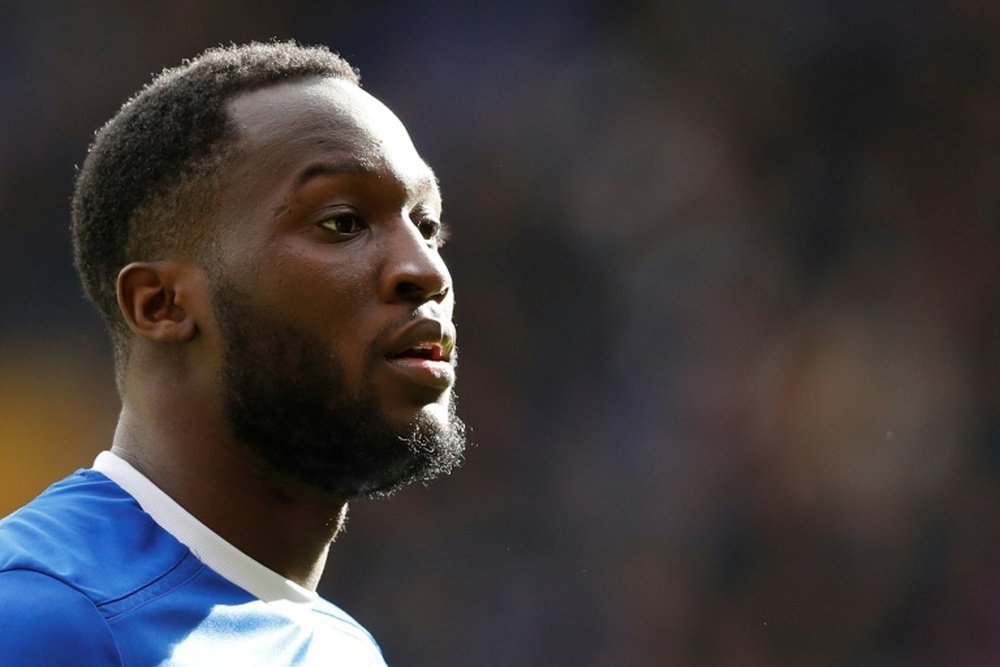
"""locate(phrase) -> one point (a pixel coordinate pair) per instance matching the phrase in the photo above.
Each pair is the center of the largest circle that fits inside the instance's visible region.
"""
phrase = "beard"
(288, 400)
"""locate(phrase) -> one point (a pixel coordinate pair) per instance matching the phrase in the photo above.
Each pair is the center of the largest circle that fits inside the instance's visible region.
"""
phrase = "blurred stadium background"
(729, 310)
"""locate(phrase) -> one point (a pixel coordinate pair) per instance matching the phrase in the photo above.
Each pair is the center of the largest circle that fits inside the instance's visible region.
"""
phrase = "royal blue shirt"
(88, 578)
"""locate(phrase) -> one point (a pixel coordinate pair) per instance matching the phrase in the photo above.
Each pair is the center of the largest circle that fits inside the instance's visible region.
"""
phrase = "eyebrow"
(427, 183)
(332, 169)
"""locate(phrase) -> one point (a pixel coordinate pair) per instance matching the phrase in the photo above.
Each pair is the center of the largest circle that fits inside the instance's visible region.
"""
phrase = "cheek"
(334, 306)
(327, 293)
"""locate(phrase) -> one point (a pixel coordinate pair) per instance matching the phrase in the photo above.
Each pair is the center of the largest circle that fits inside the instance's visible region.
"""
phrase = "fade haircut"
(145, 184)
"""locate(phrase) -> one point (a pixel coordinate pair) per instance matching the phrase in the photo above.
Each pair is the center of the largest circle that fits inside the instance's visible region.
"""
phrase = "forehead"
(289, 129)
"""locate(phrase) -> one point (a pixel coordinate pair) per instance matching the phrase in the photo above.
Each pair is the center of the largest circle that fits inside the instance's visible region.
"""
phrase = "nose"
(414, 271)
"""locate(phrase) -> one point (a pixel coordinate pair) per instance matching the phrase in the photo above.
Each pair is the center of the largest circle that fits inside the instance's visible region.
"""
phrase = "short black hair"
(154, 163)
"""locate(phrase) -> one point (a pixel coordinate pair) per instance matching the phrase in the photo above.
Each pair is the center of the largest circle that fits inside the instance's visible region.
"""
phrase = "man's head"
(256, 214)
(145, 186)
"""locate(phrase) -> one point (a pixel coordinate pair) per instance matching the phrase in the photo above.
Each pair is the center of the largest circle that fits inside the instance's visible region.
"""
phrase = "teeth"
(430, 351)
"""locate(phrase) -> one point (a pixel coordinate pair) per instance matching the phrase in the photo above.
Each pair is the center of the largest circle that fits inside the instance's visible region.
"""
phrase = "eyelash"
(433, 230)
(330, 223)
(430, 229)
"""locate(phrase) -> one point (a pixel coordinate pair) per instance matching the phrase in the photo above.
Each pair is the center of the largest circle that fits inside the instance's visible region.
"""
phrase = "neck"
(192, 457)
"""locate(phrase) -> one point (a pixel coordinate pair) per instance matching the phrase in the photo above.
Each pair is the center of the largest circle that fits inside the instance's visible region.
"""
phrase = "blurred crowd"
(728, 280)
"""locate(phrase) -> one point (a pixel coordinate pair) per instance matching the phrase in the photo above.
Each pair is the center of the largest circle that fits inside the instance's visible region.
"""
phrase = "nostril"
(408, 289)
(412, 291)
(414, 277)
(440, 294)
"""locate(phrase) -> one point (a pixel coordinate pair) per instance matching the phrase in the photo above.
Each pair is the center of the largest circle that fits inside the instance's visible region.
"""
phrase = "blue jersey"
(88, 578)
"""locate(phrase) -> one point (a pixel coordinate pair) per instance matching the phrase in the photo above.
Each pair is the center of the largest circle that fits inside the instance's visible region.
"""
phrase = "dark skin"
(329, 218)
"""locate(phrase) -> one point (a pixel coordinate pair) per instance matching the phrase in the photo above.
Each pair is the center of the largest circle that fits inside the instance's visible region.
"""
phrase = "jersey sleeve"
(45, 622)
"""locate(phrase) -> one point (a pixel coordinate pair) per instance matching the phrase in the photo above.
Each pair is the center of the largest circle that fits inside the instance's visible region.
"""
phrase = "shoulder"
(350, 633)
(43, 621)
(87, 532)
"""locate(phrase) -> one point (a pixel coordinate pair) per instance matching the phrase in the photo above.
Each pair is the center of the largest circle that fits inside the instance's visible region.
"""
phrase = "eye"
(346, 224)
(432, 230)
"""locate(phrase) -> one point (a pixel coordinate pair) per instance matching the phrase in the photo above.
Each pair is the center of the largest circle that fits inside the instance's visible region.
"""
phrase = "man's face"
(333, 304)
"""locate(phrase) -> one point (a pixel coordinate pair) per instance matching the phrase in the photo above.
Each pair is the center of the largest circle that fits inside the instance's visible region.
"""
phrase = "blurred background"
(729, 311)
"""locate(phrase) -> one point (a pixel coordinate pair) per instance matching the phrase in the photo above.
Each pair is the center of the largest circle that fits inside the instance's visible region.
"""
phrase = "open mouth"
(425, 364)
(427, 351)
(422, 355)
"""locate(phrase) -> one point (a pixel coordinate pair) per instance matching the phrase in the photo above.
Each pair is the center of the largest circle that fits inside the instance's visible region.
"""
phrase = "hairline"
(172, 199)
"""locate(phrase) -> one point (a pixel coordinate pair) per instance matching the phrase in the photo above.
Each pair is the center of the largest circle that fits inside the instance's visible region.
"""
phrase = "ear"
(156, 299)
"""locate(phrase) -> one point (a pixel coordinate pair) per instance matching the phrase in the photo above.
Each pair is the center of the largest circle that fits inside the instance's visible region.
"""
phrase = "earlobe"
(153, 300)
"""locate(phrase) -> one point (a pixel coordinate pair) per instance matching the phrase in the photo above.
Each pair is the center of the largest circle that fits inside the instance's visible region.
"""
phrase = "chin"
(403, 417)
(438, 412)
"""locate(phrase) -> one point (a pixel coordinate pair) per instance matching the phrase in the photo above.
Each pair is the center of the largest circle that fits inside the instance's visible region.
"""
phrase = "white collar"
(208, 546)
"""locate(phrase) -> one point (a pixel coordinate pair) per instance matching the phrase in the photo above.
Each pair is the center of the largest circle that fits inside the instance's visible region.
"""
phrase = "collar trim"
(204, 543)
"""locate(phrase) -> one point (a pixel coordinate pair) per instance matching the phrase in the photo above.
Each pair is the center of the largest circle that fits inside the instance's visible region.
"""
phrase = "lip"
(435, 336)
